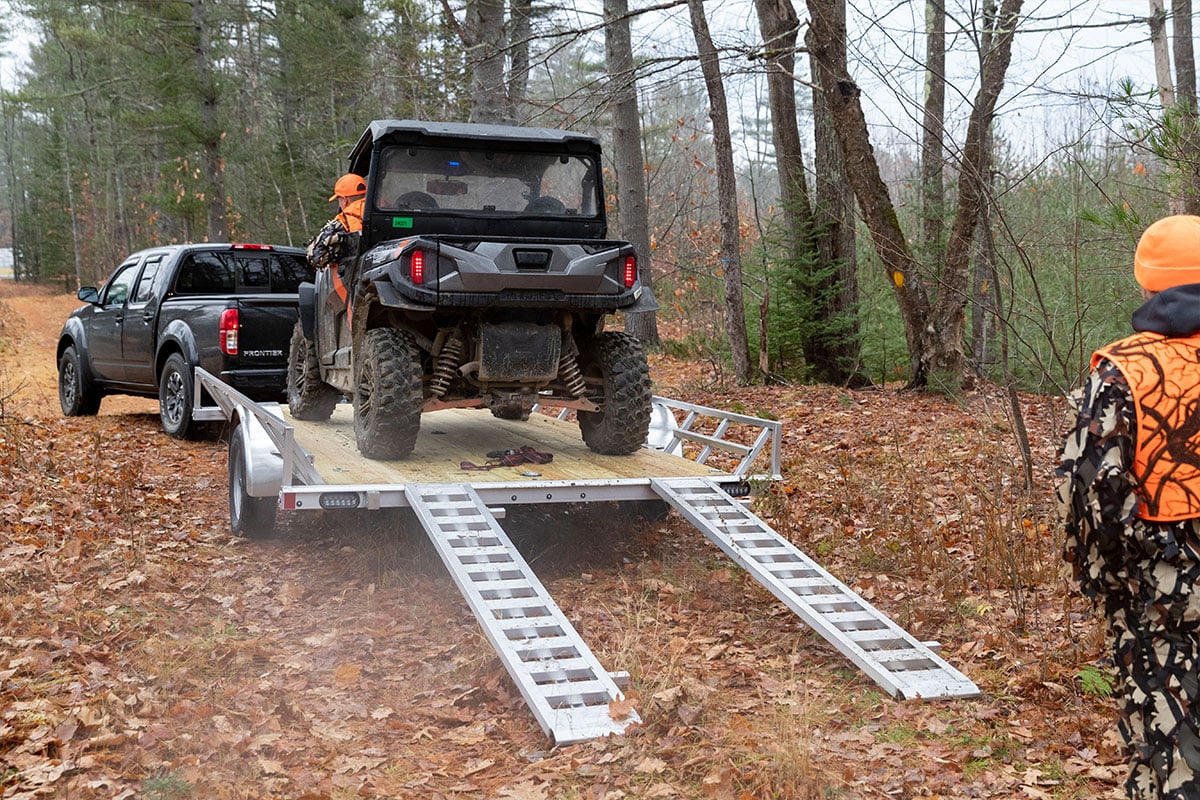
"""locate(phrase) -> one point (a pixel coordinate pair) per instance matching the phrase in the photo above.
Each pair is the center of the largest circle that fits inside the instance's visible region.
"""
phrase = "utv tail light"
(630, 272)
(416, 268)
(228, 332)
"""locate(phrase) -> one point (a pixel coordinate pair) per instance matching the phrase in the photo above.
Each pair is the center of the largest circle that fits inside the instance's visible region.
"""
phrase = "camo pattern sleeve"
(325, 249)
(1095, 495)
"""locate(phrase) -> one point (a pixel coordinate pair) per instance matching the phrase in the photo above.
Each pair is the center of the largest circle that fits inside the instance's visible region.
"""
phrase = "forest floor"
(146, 652)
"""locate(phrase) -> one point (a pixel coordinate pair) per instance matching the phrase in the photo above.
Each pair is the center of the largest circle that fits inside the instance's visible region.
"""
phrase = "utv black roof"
(407, 131)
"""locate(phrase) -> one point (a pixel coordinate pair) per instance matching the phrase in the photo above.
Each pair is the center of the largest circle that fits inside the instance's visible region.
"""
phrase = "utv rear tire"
(387, 394)
(77, 395)
(249, 516)
(175, 398)
(618, 361)
(308, 397)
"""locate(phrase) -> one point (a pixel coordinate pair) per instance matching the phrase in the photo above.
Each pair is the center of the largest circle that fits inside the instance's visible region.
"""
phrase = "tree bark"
(834, 351)
(485, 39)
(628, 158)
(1162, 53)
(1185, 99)
(933, 189)
(520, 14)
(730, 250)
(210, 130)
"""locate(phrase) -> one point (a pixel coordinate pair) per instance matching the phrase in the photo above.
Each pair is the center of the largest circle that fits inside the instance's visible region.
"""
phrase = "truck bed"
(452, 436)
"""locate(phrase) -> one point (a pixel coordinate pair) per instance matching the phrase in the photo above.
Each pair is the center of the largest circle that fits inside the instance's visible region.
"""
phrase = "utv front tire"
(387, 394)
(309, 397)
(616, 362)
(77, 395)
(175, 398)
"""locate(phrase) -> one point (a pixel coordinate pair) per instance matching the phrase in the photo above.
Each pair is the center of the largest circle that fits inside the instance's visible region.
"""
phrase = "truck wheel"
(175, 397)
(76, 393)
(249, 516)
(308, 396)
(387, 394)
(620, 428)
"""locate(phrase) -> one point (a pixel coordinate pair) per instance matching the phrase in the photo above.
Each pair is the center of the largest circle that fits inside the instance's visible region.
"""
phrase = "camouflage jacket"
(325, 249)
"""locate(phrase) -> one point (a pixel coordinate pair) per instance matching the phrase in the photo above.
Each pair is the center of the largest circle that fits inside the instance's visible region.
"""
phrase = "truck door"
(138, 330)
(106, 323)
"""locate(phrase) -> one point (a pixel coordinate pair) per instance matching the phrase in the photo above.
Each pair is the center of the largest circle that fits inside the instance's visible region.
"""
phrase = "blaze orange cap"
(1168, 254)
(349, 185)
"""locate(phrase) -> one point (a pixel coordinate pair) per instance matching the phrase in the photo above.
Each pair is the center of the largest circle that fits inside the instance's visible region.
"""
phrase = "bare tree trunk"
(1185, 98)
(628, 158)
(520, 14)
(485, 39)
(1162, 53)
(210, 131)
(933, 188)
(834, 351)
(66, 155)
(731, 257)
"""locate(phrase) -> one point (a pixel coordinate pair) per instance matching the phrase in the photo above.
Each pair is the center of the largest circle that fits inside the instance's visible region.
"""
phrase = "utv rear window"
(216, 272)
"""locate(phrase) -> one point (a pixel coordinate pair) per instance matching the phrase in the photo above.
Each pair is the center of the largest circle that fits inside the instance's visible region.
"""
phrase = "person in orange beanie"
(1129, 497)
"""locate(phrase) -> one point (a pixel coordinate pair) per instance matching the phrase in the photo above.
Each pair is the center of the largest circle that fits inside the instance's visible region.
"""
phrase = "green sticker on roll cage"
(401, 222)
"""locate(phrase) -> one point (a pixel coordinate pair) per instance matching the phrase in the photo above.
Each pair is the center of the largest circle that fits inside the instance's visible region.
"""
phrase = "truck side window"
(145, 284)
(205, 273)
(118, 288)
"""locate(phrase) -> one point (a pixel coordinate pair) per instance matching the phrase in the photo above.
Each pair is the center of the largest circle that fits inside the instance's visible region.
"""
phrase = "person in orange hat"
(1129, 496)
(328, 246)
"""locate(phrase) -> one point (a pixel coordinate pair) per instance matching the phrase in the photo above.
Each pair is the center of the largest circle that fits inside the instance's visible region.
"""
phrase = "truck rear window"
(253, 272)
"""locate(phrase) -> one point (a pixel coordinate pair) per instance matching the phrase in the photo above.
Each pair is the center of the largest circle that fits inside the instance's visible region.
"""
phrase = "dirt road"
(144, 652)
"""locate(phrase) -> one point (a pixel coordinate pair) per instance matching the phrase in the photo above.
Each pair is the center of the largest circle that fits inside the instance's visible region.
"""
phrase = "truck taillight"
(228, 332)
(630, 272)
(416, 269)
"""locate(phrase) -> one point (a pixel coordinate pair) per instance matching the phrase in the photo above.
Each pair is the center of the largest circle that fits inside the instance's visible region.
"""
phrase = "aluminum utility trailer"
(697, 459)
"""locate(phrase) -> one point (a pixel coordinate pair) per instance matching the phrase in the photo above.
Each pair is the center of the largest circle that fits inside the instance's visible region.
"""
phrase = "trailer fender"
(308, 310)
(263, 463)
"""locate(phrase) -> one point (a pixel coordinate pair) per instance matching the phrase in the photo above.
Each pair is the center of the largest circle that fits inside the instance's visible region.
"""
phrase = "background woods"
(924, 195)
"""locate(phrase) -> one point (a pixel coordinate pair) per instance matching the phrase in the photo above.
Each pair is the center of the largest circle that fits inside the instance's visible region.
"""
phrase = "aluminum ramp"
(903, 666)
(559, 677)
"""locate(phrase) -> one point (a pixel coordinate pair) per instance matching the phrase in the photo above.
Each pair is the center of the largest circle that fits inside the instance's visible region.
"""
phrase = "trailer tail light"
(629, 274)
(416, 267)
(228, 332)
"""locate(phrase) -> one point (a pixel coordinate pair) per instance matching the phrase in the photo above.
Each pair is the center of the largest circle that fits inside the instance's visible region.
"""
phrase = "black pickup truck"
(229, 308)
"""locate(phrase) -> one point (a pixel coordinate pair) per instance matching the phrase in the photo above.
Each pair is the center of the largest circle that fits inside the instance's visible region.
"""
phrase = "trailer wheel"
(77, 395)
(249, 516)
(175, 397)
(387, 394)
(616, 362)
(309, 397)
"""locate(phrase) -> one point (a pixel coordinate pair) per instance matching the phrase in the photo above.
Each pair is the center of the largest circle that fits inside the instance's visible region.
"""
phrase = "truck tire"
(175, 397)
(77, 395)
(620, 428)
(251, 517)
(387, 394)
(308, 397)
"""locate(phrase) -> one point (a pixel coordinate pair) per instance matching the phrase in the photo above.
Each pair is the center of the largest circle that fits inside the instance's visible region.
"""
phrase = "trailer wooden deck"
(451, 436)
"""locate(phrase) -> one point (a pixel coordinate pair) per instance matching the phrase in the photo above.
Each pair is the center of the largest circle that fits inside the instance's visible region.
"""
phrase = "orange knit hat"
(1168, 254)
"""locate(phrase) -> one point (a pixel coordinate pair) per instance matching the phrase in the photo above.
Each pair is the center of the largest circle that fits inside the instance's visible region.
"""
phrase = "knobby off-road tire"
(175, 398)
(77, 395)
(252, 517)
(620, 428)
(308, 397)
(387, 394)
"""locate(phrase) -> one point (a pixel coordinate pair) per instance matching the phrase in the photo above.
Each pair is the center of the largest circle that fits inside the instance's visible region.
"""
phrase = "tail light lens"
(416, 267)
(629, 274)
(228, 332)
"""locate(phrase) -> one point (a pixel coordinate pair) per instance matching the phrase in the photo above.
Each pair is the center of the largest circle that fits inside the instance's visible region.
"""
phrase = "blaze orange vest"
(1164, 378)
(351, 216)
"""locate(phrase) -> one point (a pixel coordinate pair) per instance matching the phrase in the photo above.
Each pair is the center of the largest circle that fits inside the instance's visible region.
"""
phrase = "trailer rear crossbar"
(903, 666)
(559, 677)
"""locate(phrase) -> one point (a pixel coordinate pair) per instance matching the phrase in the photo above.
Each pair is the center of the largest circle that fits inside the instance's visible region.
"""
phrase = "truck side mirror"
(88, 294)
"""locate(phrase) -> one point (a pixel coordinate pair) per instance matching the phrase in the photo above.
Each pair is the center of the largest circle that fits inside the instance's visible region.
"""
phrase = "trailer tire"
(387, 394)
(175, 398)
(618, 361)
(309, 397)
(249, 516)
(77, 395)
